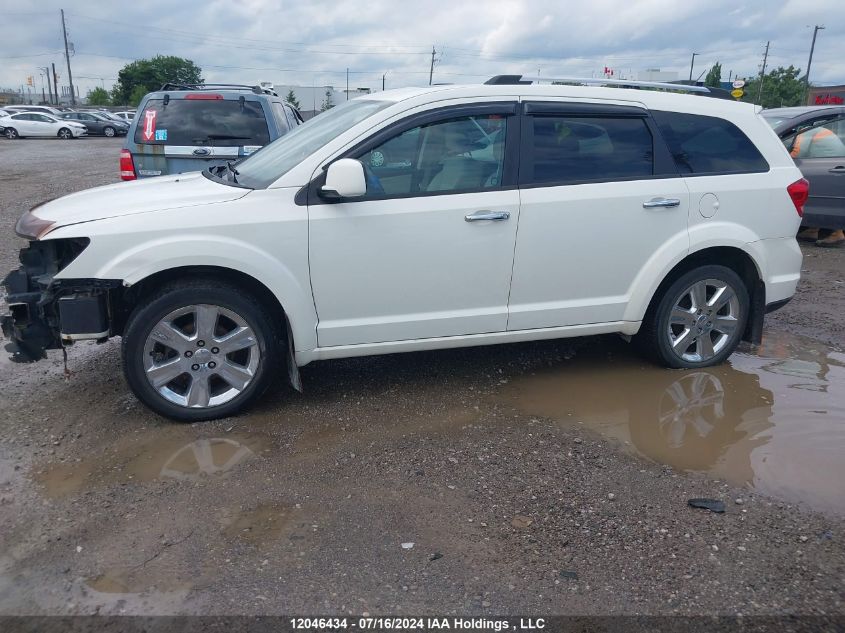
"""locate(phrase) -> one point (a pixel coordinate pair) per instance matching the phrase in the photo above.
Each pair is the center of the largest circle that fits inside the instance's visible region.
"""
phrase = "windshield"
(282, 155)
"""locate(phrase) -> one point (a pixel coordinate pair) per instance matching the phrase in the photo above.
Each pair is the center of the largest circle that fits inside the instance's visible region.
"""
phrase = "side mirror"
(344, 179)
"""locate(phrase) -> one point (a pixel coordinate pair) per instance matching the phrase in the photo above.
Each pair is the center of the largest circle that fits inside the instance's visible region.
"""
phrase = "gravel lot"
(419, 483)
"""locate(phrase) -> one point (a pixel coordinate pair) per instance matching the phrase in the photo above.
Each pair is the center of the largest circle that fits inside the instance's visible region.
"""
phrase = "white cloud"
(314, 42)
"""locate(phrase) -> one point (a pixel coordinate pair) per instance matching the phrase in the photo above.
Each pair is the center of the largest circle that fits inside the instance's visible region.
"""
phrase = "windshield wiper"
(232, 169)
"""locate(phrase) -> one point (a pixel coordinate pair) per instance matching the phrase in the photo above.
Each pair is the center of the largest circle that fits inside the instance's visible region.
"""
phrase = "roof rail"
(255, 89)
(510, 80)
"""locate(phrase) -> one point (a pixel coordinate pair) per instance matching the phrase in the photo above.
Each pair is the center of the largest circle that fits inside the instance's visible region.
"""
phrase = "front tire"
(199, 350)
(109, 131)
(699, 319)
(65, 134)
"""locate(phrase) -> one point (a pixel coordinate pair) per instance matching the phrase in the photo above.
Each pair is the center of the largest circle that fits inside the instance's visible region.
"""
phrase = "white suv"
(420, 219)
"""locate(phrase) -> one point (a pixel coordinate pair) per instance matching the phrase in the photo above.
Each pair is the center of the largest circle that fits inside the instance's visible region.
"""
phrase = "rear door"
(820, 155)
(600, 196)
(195, 131)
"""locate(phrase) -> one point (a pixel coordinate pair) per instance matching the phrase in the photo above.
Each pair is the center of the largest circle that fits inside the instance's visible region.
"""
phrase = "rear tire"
(180, 361)
(11, 133)
(698, 321)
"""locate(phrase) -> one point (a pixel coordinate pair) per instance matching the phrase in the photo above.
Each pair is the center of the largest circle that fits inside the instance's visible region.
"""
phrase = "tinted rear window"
(575, 149)
(217, 122)
(708, 145)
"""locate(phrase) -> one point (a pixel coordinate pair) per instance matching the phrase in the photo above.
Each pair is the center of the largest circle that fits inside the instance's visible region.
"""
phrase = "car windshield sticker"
(249, 149)
(161, 135)
(149, 124)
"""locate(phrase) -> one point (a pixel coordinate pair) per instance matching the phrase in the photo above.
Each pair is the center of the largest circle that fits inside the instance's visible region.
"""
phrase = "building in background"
(312, 98)
(826, 95)
(655, 74)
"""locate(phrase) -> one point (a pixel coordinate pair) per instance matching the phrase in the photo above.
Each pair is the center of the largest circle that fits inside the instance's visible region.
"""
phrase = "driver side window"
(461, 154)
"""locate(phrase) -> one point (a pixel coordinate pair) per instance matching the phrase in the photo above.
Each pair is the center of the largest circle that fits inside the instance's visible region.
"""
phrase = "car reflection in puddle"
(767, 419)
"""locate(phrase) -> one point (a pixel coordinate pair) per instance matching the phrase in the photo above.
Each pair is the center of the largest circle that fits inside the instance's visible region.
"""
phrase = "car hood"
(138, 196)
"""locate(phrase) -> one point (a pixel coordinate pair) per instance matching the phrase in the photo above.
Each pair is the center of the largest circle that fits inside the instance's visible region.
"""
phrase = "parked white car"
(25, 124)
(127, 115)
(420, 219)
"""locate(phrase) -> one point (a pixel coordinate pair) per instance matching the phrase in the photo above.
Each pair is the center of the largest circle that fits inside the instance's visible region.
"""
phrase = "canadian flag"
(149, 124)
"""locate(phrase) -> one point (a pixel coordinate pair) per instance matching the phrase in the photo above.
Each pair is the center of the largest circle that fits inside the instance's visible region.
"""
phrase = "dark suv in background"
(97, 123)
(183, 128)
(815, 137)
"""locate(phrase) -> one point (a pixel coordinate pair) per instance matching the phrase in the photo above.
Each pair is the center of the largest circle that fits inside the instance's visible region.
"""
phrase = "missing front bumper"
(47, 313)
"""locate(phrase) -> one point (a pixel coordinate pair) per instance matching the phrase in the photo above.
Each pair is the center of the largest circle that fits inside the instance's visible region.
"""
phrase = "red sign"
(829, 99)
(149, 124)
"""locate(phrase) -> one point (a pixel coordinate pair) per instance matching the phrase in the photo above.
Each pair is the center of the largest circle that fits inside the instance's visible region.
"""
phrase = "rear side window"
(214, 122)
(571, 149)
(708, 145)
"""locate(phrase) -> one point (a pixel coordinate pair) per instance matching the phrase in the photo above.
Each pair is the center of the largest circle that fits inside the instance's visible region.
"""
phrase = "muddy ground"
(542, 478)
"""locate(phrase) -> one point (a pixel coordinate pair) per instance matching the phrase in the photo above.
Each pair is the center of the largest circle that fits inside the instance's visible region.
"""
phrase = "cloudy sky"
(313, 42)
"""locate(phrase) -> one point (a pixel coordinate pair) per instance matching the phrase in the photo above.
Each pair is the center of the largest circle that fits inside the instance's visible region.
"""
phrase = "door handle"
(656, 203)
(839, 169)
(496, 216)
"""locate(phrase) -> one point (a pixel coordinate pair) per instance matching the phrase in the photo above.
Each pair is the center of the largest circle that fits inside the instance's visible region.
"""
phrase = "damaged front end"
(49, 313)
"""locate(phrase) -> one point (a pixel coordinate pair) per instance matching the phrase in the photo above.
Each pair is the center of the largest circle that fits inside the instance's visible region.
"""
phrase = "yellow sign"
(736, 94)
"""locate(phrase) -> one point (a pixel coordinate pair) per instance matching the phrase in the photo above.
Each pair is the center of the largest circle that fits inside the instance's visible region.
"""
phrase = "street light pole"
(816, 30)
(691, 64)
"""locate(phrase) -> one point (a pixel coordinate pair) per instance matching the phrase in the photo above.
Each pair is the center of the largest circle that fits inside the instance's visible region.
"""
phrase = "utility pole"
(431, 70)
(347, 84)
(382, 81)
(46, 73)
(810, 61)
(67, 56)
(691, 64)
(55, 83)
(763, 74)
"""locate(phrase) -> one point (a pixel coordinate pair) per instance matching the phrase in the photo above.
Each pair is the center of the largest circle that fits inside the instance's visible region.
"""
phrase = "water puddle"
(772, 420)
(169, 455)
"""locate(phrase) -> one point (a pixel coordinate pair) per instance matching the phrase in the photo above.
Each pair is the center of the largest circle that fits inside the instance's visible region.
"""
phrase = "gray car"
(97, 123)
(815, 136)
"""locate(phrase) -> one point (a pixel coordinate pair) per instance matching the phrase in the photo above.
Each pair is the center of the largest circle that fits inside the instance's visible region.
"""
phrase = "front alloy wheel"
(201, 356)
(65, 134)
(200, 349)
(109, 131)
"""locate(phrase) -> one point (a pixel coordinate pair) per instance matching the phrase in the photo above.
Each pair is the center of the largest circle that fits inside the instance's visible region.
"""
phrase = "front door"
(595, 209)
(428, 251)
(820, 155)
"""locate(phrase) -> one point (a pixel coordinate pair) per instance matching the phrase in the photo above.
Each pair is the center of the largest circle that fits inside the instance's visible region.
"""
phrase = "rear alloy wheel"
(65, 134)
(197, 352)
(699, 320)
(11, 133)
(108, 131)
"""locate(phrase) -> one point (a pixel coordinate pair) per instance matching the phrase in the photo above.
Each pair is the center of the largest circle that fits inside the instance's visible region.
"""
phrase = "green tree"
(781, 88)
(714, 76)
(327, 102)
(135, 98)
(291, 99)
(98, 97)
(151, 74)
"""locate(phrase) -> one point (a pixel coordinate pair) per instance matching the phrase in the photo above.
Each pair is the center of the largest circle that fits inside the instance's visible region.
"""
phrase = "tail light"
(799, 191)
(204, 96)
(127, 165)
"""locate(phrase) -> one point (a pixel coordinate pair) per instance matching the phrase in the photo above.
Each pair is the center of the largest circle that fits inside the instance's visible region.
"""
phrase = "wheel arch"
(738, 260)
(132, 295)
